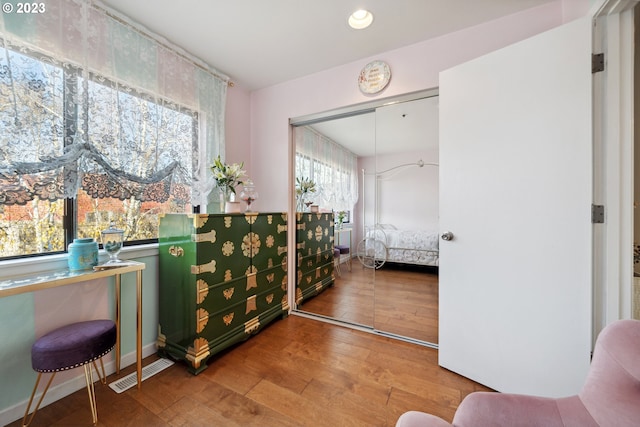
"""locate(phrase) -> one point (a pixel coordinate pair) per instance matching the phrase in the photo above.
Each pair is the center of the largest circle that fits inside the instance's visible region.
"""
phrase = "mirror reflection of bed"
(392, 233)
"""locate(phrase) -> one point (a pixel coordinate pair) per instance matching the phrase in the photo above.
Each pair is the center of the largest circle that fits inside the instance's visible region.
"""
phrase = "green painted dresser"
(314, 251)
(222, 278)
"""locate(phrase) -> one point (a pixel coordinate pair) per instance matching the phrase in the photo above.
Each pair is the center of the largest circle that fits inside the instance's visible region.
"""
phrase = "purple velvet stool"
(344, 249)
(336, 257)
(68, 347)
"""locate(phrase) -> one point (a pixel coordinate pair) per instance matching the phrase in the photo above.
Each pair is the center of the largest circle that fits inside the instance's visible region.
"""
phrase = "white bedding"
(407, 246)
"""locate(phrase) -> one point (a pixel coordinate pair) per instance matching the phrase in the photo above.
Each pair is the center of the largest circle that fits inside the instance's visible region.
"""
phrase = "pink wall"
(414, 68)
(237, 130)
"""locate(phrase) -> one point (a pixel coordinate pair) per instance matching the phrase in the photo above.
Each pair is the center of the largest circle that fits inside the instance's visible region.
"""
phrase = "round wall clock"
(374, 77)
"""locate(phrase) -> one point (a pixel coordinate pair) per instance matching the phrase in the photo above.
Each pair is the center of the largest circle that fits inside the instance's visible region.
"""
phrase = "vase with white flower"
(304, 188)
(340, 217)
(228, 177)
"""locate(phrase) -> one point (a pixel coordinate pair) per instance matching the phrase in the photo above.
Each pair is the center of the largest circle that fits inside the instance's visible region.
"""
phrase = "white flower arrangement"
(227, 177)
(304, 187)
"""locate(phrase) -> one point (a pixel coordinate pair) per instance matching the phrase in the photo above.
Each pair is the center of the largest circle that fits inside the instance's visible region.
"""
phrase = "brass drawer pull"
(176, 251)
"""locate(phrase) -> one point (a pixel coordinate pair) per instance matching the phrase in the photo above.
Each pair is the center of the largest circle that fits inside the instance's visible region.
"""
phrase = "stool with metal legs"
(344, 249)
(68, 347)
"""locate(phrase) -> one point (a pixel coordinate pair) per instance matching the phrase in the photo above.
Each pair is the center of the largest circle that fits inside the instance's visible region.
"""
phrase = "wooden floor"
(295, 372)
(399, 299)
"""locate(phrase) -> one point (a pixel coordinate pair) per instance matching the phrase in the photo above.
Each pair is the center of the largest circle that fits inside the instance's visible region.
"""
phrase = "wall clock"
(374, 77)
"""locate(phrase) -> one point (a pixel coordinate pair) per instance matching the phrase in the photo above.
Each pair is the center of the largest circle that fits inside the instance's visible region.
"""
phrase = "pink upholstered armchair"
(610, 396)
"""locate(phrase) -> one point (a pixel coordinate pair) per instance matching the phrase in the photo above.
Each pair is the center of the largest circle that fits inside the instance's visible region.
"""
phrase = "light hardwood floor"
(399, 299)
(295, 372)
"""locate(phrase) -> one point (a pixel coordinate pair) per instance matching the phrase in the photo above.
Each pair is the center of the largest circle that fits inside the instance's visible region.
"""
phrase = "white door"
(516, 190)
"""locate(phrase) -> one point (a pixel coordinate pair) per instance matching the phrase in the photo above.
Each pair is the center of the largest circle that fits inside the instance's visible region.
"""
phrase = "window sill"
(16, 267)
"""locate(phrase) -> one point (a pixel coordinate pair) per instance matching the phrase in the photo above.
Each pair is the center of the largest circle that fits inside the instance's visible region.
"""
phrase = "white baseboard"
(16, 412)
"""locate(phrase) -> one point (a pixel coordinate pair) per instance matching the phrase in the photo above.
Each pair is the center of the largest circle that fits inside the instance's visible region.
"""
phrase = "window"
(127, 128)
(124, 126)
(100, 121)
(330, 166)
(30, 223)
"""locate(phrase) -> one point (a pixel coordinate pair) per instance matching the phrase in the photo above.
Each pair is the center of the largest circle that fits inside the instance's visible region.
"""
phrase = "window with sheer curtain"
(330, 166)
(100, 122)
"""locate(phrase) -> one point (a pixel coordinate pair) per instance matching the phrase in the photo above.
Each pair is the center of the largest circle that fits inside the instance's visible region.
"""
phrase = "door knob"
(447, 235)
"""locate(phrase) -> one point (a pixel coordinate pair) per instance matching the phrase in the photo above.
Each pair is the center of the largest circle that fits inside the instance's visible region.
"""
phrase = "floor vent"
(125, 383)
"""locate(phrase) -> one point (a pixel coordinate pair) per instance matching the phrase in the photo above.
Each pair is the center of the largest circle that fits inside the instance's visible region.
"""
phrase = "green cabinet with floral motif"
(222, 278)
(314, 252)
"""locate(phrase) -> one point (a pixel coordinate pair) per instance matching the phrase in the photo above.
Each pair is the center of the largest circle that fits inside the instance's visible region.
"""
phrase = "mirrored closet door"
(328, 154)
(377, 168)
(406, 219)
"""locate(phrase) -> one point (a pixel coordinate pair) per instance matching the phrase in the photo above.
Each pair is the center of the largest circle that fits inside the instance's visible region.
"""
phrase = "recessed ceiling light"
(360, 19)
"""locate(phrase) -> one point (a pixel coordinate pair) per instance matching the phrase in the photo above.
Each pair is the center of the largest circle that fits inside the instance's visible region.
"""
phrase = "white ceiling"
(395, 128)
(259, 43)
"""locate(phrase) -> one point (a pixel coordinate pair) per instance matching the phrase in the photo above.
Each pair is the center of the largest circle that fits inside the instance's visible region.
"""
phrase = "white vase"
(226, 197)
(232, 207)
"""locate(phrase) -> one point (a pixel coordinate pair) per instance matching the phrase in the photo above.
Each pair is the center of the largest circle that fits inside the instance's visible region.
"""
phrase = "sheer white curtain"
(92, 100)
(333, 168)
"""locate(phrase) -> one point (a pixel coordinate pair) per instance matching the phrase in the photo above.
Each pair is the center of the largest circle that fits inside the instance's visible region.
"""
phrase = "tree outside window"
(45, 108)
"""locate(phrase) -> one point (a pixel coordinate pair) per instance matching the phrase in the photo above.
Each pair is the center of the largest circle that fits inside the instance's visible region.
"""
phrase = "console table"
(51, 279)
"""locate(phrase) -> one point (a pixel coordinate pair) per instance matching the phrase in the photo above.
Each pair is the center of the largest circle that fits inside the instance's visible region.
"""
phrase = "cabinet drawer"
(321, 274)
(215, 297)
(310, 285)
(212, 326)
(269, 278)
(307, 263)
